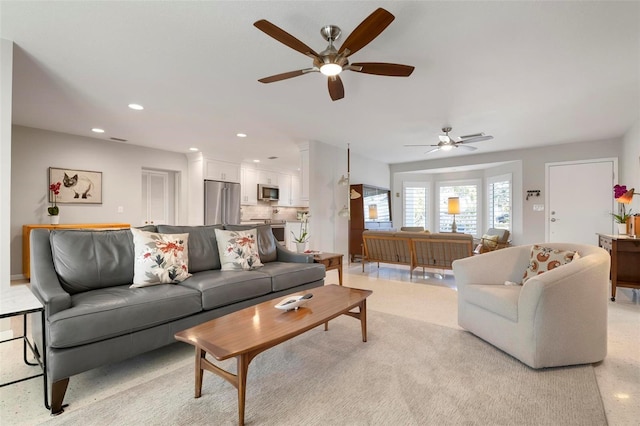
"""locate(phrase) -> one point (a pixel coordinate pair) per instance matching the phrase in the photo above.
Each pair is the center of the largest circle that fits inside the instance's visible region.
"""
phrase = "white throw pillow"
(238, 250)
(159, 258)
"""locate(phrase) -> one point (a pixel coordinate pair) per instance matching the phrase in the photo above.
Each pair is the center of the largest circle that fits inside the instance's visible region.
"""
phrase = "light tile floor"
(423, 298)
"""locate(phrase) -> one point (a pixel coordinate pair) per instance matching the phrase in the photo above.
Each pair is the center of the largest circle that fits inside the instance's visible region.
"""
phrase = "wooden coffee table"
(250, 331)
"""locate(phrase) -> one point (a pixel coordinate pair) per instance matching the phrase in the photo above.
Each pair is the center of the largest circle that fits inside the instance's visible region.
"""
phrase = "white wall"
(35, 150)
(6, 91)
(327, 163)
(630, 163)
(532, 174)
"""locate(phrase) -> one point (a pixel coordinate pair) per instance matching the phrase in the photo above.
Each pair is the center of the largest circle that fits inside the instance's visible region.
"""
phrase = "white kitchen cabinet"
(266, 177)
(249, 187)
(221, 170)
(284, 185)
(296, 192)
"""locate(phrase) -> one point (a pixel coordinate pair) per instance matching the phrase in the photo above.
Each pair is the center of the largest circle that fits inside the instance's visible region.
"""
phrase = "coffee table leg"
(363, 319)
(243, 368)
(200, 354)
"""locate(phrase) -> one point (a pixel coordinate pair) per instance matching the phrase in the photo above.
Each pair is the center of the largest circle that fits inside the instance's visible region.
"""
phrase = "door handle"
(553, 219)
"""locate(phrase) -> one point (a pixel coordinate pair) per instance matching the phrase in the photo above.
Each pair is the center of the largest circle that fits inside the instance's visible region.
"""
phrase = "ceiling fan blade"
(368, 29)
(336, 88)
(424, 144)
(284, 37)
(472, 136)
(467, 147)
(433, 150)
(382, 68)
(285, 75)
(477, 139)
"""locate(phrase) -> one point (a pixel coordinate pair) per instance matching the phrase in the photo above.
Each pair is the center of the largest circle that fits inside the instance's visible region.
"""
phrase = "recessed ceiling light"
(136, 107)
(193, 149)
(97, 130)
(256, 161)
(241, 135)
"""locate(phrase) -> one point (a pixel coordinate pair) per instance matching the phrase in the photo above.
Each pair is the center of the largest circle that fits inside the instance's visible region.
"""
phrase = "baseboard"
(17, 277)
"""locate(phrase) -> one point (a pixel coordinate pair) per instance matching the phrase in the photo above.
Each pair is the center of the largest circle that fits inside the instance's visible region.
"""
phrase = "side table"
(19, 300)
(330, 261)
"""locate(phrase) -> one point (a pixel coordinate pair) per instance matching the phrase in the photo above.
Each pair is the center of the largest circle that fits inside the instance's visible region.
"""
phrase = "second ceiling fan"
(331, 61)
(447, 143)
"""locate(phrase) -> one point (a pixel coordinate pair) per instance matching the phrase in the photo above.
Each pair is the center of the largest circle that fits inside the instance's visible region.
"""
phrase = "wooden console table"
(26, 231)
(625, 260)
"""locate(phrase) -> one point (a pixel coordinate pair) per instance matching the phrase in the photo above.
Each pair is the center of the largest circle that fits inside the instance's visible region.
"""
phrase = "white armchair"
(556, 318)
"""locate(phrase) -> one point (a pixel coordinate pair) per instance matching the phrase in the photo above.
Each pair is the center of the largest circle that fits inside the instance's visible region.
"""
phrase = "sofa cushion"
(544, 259)
(499, 299)
(220, 288)
(285, 275)
(91, 259)
(203, 248)
(238, 250)
(115, 311)
(159, 258)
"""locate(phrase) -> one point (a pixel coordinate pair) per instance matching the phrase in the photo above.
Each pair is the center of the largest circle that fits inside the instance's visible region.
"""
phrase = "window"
(467, 220)
(416, 204)
(499, 201)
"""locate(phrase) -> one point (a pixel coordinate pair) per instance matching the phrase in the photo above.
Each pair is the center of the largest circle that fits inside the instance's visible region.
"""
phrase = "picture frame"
(77, 186)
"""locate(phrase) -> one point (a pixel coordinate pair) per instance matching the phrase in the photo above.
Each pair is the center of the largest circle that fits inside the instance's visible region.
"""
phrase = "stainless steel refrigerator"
(221, 202)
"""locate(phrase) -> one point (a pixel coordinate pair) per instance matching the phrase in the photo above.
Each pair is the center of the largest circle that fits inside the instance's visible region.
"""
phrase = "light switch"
(120, 209)
(538, 207)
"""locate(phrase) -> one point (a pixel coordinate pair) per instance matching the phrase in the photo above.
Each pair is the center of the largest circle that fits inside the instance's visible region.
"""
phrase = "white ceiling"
(528, 73)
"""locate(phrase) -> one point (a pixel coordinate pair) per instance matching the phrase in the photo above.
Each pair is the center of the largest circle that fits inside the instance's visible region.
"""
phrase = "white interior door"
(580, 200)
(155, 198)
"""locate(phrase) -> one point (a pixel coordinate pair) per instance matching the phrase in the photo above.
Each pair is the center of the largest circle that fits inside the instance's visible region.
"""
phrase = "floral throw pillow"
(544, 259)
(159, 258)
(238, 250)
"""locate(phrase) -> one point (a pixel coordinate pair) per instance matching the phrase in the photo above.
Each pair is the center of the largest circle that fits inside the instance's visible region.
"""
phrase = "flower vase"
(301, 247)
(622, 228)
(55, 219)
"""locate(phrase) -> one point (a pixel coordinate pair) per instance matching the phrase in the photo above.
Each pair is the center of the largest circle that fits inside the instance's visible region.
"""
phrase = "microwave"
(268, 192)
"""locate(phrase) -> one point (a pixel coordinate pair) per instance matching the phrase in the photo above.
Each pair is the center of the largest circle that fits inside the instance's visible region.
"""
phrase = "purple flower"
(619, 191)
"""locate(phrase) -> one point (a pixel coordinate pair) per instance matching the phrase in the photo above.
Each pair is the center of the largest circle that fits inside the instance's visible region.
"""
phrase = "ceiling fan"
(447, 143)
(331, 61)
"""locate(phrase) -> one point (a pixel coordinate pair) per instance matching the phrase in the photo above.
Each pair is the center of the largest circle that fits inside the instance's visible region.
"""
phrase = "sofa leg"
(58, 389)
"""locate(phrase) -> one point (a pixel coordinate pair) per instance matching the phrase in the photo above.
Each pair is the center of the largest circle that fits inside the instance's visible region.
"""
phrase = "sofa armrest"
(587, 279)
(44, 280)
(286, 255)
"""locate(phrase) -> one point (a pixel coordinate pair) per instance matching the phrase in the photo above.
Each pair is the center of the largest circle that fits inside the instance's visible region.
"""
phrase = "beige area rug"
(408, 373)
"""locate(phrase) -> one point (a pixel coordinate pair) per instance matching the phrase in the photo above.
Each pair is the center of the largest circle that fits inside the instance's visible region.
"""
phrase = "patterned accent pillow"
(238, 250)
(490, 241)
(544, 259)
(159, 258)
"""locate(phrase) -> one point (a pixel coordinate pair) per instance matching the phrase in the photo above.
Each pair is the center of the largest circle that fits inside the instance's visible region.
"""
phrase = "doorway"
(580, 200)
(158, 195)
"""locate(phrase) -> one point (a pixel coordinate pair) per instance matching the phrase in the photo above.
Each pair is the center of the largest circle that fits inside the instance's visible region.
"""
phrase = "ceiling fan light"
(446, 147)
(330, 69)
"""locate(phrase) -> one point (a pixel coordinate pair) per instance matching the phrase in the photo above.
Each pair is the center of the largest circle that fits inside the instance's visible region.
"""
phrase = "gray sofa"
(93, 317)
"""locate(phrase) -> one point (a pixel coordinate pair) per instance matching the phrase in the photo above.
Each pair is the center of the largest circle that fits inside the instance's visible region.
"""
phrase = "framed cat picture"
(76, 186)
